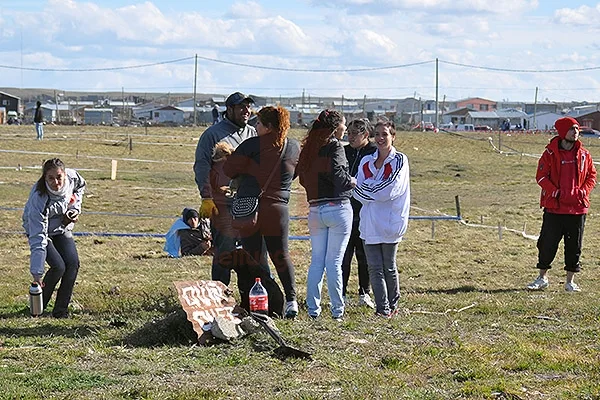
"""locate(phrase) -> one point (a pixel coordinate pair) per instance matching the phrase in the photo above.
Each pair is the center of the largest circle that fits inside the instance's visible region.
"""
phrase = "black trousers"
(355, 245)
(62, 257)
(556, 227)
(272, 232)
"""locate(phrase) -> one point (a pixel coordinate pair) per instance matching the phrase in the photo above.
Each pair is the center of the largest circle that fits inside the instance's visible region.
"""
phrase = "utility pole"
(195, 75)
(437, 115)
(56, 107)
(364, 106)
(123, 97)
(535, 109)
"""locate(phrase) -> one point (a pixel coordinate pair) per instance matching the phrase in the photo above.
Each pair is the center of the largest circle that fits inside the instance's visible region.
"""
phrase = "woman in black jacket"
(252, 162)
(323, 171)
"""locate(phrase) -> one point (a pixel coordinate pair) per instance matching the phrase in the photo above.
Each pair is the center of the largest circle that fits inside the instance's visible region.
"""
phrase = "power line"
(365, 69)
(316, 70)
(519, 70)
(96, 69)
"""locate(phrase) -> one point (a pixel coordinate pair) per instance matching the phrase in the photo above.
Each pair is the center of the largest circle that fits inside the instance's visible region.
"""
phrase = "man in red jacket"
(567, 175)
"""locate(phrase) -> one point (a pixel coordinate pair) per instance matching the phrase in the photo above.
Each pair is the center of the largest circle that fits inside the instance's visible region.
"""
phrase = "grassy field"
(467, 329)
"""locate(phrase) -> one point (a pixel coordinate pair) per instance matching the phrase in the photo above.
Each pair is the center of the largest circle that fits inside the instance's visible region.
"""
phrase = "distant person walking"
(53, 206)
(567, 175)
(215, 114)
(323, 171)
(359, 146)
(232, 129)
(383, 188)
(38, 120)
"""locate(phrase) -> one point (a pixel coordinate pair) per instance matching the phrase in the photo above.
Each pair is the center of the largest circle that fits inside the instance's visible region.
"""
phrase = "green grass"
(135, 344)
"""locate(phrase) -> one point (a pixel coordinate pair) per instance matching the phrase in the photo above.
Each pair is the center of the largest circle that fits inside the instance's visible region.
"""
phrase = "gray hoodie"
(224, 131)
(43, 218)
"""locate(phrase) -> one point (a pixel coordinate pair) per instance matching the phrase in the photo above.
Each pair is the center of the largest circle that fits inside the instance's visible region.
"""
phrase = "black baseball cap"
(237, 98)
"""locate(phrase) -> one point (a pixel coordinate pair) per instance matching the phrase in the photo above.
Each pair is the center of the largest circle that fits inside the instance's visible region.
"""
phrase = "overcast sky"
(377, 48)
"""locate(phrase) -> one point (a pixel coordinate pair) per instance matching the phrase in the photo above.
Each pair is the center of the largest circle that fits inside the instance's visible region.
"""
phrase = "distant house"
(10, 102)
(476, 104)
(167, 114)
(50, 112)
(589, 120)
(97, 116)
(543, 121)
(545, 107)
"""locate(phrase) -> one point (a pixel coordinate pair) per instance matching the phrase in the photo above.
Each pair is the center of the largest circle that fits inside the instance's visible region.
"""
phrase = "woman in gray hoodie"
(53, 207)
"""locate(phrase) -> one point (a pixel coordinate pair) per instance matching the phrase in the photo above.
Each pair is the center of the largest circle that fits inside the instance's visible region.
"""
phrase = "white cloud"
(246, 10)
(583, 15)
(508, 7)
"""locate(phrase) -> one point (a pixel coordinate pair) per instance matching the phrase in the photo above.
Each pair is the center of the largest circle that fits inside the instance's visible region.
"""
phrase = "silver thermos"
(36, 302)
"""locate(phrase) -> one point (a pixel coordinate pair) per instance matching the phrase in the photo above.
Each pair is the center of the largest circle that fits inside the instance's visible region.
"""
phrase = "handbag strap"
(278, 163)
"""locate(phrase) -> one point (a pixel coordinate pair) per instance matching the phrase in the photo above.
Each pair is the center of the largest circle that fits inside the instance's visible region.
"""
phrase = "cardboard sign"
(204, 300)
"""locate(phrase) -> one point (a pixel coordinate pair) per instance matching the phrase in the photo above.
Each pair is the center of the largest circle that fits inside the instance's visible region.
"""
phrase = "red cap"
(563, 125)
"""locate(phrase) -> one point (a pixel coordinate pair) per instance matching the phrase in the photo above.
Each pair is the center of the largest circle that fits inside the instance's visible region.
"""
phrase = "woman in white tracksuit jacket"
(383, 188)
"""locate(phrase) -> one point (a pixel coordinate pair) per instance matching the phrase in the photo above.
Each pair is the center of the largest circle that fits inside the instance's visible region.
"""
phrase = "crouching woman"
(53, 207)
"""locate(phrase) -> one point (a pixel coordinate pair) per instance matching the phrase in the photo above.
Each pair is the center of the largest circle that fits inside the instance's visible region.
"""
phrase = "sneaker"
(572, 287)
(339, 318)
(291, 309)
(365, 300)
(540, 283)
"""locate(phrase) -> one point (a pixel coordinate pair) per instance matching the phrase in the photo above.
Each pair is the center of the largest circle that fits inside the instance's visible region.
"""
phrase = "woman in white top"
(383, 187)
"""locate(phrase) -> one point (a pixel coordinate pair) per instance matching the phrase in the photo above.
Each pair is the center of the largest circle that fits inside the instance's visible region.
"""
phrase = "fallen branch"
(445, 312)
(544, 318)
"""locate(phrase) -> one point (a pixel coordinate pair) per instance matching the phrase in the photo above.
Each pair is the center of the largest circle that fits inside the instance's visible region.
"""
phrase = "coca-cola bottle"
(259, 298)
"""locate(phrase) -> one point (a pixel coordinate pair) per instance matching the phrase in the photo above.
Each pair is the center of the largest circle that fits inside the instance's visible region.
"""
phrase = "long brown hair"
(279, 119)
(319, 134)
(53, 163)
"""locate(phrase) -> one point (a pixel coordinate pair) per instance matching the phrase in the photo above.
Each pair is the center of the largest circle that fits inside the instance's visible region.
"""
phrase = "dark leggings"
(555, 227)
(355, 244)
(62, 257)
(273, 227)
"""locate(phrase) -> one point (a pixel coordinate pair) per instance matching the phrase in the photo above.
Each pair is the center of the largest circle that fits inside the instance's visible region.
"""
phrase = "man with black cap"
(567, 175)
(188, 236)
(232, 129)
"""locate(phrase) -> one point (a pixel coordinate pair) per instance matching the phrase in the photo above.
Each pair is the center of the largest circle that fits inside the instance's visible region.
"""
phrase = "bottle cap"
(257, 280)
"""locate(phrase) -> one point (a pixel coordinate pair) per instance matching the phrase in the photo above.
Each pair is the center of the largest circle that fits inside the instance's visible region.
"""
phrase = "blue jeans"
(39, 129)
(330, 226)
(62, 257)
(383, 274)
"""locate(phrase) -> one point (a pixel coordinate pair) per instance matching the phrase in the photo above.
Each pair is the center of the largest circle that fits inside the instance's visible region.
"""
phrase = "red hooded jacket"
(548, 175)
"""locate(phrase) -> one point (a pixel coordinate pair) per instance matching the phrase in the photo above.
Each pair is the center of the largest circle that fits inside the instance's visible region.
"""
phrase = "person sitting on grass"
(189, 235)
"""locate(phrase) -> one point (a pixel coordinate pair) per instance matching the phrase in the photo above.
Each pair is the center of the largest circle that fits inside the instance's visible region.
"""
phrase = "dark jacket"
(327, 177)
(38, 118)
(253, 161)
(354, 156)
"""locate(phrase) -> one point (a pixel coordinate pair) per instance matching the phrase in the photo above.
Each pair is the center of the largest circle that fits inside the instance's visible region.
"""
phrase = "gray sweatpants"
(383, 275)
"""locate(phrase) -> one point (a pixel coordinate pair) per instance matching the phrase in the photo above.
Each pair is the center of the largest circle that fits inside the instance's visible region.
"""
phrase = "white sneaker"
(365, 300)
(572, 287)
(540, 283)
(291, 309)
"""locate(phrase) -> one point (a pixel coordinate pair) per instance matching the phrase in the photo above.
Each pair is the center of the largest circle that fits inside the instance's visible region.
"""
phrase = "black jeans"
(273, 230)
(224, 241)
(355, 245)
(62, 257)
(554, 228)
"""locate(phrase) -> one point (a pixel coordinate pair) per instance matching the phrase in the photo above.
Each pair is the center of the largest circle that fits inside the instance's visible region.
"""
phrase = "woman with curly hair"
(323, 171)
(253, 161)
